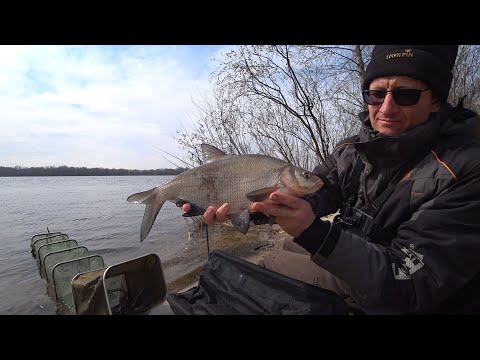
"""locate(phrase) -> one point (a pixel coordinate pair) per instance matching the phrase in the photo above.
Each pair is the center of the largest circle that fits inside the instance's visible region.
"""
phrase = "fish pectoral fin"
(261, 194)
(195, 210)
(241, 221)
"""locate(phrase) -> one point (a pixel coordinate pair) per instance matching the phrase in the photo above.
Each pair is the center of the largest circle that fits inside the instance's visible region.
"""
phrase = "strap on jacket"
(365, 219)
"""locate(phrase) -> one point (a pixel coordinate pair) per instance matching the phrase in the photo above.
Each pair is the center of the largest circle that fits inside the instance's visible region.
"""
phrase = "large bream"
(238, 180)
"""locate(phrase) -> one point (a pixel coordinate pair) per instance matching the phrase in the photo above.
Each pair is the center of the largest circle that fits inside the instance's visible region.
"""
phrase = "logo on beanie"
(405, 53)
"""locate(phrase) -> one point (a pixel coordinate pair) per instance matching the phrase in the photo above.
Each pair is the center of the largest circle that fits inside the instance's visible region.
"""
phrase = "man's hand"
(212, 214)
(294, 215)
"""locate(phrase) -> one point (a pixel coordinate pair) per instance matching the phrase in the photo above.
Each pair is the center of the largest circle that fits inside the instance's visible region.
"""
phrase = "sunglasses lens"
(402, 97)
(374, 97)
(405, 97)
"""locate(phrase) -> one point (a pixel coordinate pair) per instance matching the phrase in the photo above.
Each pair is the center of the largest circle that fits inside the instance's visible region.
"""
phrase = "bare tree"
(285, 100)
(219, 122)
(466, 77)
(296, 102)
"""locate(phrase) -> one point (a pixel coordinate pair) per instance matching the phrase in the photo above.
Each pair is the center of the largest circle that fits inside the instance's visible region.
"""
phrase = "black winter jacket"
(431, 261)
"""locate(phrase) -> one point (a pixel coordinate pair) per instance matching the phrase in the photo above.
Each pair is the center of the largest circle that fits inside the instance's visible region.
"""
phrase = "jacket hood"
(462, 121)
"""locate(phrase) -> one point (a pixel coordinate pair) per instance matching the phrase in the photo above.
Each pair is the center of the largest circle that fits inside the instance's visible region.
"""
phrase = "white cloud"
(108, 106)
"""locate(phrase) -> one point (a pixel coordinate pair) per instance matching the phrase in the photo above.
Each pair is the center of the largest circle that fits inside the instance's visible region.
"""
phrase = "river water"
(94, 211)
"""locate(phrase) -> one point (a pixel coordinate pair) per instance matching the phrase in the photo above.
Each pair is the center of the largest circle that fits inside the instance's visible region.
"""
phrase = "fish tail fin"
(154, 201)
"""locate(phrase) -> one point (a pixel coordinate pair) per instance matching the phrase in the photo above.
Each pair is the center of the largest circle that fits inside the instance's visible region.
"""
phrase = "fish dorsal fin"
(241, 221)
(261, 194)
(211, 153)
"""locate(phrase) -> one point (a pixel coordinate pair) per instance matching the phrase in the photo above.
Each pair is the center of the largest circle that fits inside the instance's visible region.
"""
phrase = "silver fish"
(238, 180)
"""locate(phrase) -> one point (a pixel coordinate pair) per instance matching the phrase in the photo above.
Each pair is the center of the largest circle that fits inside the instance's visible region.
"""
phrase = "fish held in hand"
(238, 180)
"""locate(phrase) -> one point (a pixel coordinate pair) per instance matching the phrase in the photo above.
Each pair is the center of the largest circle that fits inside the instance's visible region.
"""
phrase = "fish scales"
(225, 180)
(235, 179)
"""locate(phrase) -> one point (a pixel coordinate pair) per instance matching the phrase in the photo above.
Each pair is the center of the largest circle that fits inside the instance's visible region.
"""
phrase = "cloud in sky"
(98, 106)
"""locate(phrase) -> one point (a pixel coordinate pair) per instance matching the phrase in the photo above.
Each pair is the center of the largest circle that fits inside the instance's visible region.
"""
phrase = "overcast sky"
(98, 106)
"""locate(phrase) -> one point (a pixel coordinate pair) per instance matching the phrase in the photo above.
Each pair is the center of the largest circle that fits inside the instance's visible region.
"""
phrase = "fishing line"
(208, 243)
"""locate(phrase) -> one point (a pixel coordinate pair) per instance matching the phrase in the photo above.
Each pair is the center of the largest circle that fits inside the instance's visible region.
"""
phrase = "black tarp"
(229, 285)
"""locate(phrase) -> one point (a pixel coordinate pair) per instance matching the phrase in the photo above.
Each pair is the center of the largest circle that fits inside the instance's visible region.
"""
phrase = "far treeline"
(82, 171)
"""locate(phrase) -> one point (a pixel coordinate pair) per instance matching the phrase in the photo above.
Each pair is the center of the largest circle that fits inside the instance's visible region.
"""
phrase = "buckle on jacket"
(352, 216)
(346, 212)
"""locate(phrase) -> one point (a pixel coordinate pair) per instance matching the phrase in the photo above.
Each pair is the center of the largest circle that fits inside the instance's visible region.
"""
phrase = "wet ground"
(251, 246)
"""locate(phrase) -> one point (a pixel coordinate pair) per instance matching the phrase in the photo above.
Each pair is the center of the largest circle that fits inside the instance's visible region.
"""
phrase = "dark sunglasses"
(402, 97)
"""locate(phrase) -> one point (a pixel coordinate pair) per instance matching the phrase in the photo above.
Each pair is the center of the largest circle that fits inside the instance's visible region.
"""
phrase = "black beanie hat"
(431, 64)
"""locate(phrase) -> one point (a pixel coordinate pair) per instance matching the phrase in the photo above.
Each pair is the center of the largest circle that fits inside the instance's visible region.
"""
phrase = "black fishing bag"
(229, 285)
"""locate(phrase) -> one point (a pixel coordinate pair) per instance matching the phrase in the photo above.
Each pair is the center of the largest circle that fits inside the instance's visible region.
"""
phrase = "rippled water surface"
(94, 211)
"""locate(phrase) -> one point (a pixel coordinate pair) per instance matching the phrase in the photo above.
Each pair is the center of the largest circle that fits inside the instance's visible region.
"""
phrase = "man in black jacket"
(407, 239)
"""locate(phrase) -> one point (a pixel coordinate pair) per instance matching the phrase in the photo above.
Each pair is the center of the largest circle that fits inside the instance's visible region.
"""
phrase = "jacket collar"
(394, 148)
(448, 121)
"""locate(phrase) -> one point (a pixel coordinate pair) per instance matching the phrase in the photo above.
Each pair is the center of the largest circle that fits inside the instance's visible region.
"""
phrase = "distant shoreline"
(18, 171)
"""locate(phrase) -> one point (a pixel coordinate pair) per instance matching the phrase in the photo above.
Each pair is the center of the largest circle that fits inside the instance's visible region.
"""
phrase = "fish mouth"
(318, 185)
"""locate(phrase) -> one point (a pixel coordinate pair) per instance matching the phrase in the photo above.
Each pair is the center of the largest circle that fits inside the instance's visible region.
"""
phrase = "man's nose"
(388, 104)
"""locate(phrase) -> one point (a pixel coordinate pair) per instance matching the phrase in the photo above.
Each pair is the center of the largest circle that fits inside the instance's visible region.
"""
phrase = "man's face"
(389, 118)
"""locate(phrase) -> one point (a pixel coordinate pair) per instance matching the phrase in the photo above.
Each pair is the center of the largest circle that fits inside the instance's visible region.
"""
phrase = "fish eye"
(307, 174)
